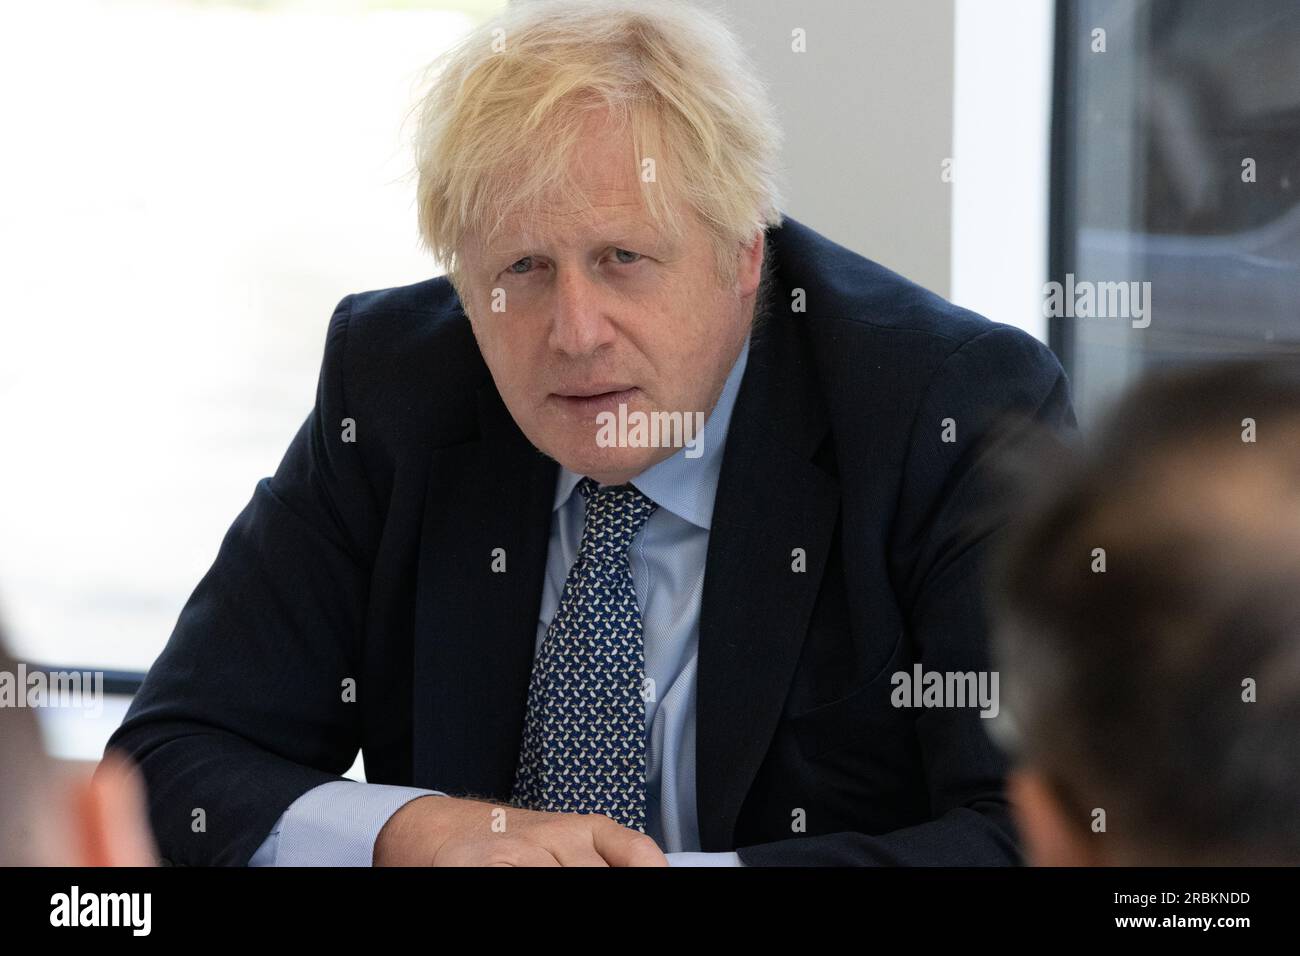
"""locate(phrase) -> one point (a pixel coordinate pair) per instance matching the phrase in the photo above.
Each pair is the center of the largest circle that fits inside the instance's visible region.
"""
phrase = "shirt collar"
(684, 486)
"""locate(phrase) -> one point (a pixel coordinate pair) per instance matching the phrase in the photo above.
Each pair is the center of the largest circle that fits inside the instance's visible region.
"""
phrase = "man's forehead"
(603, 223)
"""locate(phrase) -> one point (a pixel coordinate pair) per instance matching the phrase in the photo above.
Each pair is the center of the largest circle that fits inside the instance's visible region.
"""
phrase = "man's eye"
(626, 256)
(522, 266)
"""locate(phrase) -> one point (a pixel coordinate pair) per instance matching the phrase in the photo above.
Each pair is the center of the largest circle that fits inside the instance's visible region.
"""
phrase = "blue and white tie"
(583, 747)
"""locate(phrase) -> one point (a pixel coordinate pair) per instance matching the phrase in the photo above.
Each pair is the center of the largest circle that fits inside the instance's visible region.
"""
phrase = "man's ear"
(1051, 837)
(111, 818)
(749, 269)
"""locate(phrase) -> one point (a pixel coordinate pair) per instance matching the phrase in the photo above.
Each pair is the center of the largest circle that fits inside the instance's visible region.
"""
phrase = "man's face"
(597, 308)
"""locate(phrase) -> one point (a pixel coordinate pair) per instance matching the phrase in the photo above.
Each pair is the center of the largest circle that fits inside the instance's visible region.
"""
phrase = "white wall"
(867, 113)
(1001, 136)
(885, 92)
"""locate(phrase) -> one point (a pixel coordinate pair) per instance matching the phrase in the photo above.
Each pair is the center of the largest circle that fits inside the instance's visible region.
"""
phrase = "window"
(1176, 162)
(189, 190)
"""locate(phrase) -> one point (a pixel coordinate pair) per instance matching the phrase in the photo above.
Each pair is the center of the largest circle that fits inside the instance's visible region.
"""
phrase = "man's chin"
(609, 466)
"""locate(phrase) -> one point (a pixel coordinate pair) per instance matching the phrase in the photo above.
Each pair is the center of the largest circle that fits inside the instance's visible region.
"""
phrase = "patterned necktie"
(583, 747)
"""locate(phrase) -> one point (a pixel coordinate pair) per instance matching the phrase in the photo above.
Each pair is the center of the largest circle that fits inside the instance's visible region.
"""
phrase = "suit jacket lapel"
(771, 499)
(475, 627)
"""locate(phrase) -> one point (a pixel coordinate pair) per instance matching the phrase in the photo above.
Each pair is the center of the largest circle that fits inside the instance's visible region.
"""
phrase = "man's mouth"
(587, 402)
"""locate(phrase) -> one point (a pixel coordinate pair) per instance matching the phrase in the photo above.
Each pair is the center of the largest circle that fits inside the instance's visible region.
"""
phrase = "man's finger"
(623, 847)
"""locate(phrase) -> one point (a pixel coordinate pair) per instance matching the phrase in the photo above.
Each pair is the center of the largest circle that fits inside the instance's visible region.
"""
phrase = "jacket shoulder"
(861, 311)
(406, 358)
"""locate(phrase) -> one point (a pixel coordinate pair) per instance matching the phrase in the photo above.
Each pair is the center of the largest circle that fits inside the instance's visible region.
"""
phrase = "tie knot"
(614, 515)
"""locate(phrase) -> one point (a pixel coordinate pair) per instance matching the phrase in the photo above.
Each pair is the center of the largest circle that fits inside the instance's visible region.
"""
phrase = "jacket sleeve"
(249, 705)
(988, 394)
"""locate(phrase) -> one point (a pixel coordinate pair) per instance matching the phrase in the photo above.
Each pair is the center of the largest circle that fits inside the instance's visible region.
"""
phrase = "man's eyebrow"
(625, 237)
(645, 236)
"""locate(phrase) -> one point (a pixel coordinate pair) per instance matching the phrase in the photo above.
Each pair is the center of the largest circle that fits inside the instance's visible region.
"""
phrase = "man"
(475, 564)
(1150, 631)
(61, 817)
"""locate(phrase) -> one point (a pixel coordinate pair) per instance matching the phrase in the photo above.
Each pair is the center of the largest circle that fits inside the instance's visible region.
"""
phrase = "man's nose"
(580, 324)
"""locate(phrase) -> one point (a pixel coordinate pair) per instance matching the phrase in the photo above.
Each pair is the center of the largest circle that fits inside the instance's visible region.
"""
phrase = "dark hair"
(764, 294)
(1128, 687)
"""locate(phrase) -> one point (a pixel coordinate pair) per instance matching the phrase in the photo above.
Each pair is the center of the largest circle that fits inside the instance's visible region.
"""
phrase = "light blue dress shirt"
(336, 824)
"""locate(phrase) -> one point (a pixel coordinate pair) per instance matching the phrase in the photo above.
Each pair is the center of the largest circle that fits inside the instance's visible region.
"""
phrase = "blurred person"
(1149, 630)
(555, 642)
(55, 816)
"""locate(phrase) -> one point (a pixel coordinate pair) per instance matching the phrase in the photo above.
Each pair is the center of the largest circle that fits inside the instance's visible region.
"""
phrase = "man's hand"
(450, 831)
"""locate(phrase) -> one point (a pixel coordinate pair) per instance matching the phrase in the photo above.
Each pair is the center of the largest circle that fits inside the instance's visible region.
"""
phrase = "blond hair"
(499, 123)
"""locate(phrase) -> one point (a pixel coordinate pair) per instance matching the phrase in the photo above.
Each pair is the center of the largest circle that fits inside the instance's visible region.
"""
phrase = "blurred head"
(597, 177)
(54, 816)
(1149, 630)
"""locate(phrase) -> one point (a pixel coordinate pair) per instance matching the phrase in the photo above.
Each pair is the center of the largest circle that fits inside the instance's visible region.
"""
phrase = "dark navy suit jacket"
(370, 561)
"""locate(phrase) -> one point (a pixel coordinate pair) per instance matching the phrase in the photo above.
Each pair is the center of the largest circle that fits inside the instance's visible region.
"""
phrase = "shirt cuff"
(334, 824)
(704, 859)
